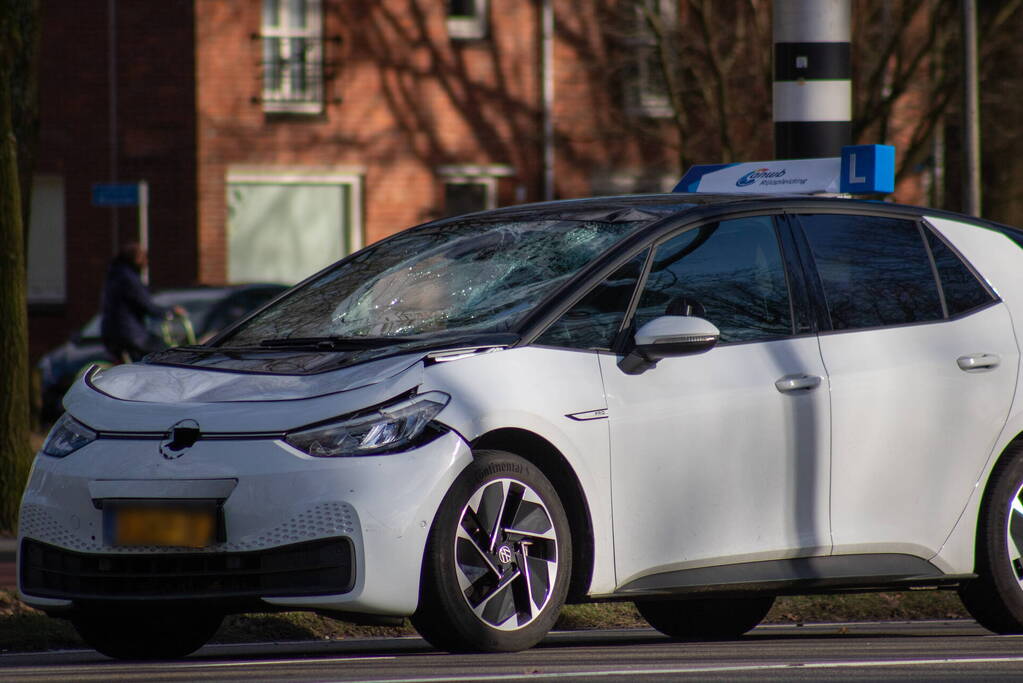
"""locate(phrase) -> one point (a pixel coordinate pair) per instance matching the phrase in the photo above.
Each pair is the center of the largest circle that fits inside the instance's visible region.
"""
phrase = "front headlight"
(390, 428)
(67, 436)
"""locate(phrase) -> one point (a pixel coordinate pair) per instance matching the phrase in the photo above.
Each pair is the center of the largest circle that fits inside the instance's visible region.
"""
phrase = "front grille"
(311, 568)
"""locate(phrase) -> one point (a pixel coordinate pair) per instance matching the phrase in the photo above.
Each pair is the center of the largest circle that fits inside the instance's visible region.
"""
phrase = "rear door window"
(875, 271)
(963, 292)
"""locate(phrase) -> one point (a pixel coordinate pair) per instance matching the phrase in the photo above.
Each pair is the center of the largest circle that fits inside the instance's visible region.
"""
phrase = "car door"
(721, 457)
(922, 361)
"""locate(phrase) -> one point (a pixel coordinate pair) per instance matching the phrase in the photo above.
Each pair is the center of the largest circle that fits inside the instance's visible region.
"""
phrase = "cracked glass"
(465, 277)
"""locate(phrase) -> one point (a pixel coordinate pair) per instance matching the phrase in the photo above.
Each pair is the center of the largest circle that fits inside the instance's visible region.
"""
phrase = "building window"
(284, 225)
(46, 272)
(466, 196)
(292, 37)
(646, 87)
(471, 188)
(467, 19)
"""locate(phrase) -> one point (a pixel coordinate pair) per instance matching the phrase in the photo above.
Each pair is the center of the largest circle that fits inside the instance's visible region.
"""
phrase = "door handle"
(980, 361)
(790, 383)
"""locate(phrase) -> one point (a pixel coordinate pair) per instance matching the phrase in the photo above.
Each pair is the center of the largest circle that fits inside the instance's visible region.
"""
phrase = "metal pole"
(812, 78)
(547, 77)
(144, 225)
(971, 112)
(112, 112)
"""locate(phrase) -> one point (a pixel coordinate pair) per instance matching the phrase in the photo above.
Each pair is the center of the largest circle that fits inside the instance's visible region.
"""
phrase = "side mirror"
(668, 336)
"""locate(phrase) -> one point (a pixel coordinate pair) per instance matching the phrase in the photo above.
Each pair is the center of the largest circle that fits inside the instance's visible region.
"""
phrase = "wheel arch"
(959, 553)
(557, 469)
(994, 598)
(1012, 449)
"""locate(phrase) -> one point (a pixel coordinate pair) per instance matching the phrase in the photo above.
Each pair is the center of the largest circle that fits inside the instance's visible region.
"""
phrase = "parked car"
(210, 309)
(695, 402)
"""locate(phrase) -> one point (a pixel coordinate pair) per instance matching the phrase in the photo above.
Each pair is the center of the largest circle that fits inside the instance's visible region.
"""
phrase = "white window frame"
(472, 174)
(331, 176)
(46, 249)
(472, 27)
(623, 181)
(287, 96)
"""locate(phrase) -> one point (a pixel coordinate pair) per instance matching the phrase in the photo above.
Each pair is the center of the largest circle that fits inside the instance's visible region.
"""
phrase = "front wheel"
(995, 597)
(705, 618)
(498, 559)
(147, 634)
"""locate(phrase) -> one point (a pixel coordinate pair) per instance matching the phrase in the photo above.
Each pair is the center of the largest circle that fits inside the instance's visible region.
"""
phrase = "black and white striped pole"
(812, 78)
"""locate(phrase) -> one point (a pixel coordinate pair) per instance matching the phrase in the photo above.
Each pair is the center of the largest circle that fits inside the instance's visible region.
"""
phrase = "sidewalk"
(8, 546)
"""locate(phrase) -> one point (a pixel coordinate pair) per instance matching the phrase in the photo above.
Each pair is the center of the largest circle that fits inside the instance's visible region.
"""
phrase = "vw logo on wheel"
(504, 553)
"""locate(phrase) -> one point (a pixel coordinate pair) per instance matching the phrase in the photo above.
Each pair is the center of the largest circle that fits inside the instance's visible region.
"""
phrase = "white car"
(694, 402)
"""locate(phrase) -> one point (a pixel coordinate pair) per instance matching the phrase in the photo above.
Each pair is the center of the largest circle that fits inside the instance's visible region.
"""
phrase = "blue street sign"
(115, 194)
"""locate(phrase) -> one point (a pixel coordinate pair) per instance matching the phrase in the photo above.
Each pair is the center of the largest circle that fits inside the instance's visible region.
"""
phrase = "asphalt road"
(887, 651)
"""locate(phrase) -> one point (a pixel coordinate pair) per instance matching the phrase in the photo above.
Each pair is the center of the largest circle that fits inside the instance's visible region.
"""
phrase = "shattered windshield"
(467, 277)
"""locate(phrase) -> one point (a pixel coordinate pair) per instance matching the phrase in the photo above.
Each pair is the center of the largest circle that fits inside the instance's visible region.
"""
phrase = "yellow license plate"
(187, 526)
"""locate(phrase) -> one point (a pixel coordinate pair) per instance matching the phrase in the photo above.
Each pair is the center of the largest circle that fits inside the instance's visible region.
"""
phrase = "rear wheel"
(995, 598)
(146, 634)
(706, 618)
(498, 559)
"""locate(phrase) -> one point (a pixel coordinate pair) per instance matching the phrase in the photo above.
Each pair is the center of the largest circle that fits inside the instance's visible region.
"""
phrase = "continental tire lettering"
(500, 468)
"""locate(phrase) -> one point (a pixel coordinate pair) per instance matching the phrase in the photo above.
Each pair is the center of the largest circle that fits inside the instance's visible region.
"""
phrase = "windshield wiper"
(330, 343)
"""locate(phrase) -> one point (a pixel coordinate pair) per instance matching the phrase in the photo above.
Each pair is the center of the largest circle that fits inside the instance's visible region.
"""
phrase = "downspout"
(971, 111)
(112, 115)
(547, 94)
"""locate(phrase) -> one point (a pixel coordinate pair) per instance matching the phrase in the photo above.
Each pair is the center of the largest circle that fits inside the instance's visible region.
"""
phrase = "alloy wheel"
(1014, 535)
(506, 556)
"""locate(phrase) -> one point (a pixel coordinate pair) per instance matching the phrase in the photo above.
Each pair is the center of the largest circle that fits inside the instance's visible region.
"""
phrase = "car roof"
(613, 208)
(621, 208)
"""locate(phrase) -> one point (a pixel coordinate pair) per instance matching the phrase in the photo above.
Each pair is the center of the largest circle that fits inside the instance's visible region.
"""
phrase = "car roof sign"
(862, 169)
(868, 169)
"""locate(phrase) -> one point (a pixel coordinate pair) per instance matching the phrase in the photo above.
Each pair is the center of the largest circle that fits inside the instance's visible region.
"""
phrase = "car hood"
(149, 399)
(174, 384)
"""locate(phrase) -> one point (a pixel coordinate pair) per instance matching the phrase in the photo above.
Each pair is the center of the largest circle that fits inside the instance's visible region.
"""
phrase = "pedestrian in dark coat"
(126, 303)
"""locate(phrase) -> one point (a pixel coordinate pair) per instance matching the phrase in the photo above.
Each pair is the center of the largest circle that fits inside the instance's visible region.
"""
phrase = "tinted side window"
(875, 271)
(595, 320)
(730, 273)
(962, 290)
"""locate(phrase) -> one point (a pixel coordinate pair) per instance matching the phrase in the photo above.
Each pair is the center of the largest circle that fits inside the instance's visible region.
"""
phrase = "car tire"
(995, 597)
(498, 559)
(150, 634)
(705, 618)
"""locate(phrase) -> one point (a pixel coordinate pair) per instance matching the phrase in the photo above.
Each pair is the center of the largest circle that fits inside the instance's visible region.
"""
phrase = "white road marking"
(114, 665)
(313, 659)
(536, 675)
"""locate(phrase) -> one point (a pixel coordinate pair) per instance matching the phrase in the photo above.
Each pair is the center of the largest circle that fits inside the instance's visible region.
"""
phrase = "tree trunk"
(15, 450)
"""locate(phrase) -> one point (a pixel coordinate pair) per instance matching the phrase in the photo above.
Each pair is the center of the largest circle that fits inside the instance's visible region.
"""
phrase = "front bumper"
(345, 534)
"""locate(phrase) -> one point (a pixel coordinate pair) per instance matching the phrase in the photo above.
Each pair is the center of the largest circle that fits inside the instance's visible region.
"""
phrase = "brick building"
(276, 136)
(108, 115)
